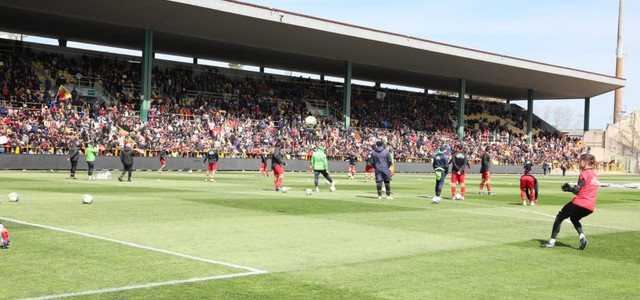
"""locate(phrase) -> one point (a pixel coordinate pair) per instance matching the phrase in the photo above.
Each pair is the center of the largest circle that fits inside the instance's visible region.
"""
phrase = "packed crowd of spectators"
(239, 116)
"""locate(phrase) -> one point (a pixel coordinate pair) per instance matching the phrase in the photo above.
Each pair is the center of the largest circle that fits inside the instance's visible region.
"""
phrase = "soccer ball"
(14, 197)
(284, 189)
(435, 199)
(458, 197)
(311, 121)
(332, 188)
(308, 191)
(87, 199)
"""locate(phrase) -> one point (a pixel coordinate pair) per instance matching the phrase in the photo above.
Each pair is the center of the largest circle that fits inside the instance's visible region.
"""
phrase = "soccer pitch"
(174, 236)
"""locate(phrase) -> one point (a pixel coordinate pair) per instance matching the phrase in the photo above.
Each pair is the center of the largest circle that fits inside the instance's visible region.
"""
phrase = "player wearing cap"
(459, 164)
(440, 166)
(528, 186)
(485, 167)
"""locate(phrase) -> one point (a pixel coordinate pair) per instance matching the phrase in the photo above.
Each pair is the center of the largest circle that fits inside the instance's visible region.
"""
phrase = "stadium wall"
(59, 162)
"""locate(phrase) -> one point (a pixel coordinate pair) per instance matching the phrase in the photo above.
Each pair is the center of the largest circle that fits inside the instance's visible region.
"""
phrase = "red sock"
(488, 187)
(453, 190)
(523, 195)
(280, 182)
(275, 182)
(463, 190)
(532, 195)
(481, 186)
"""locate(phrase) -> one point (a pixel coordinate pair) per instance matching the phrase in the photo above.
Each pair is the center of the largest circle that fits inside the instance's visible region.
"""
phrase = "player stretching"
(352, 165)
(459, 165)
(486, 174)
(528, 186)
(276, 166)
(211, 156)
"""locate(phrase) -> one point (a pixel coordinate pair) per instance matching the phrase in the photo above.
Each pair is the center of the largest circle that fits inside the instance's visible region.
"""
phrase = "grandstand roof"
(255, 35)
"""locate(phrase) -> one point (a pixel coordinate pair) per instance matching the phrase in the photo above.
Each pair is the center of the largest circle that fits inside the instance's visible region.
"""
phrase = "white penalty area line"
(251, 271)
(141, 286)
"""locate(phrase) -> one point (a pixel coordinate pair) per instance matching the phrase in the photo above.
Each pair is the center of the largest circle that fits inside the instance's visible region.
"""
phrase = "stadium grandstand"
(53, 95)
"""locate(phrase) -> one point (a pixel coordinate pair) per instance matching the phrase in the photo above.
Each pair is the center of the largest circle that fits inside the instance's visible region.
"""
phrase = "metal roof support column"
(461, 92)
(529, 115)
(346, 104)
(147, 62)
(587, 108)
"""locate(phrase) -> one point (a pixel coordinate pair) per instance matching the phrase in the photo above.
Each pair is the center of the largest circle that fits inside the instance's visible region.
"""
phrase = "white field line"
(257, 271)
(141, 286)
(252, 271)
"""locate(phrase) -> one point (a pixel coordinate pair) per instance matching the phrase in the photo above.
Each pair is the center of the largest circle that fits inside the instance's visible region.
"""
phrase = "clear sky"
(579, 34)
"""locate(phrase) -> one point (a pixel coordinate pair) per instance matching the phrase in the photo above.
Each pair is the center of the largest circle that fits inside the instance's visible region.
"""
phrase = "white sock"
(552, 241)
(582, 236)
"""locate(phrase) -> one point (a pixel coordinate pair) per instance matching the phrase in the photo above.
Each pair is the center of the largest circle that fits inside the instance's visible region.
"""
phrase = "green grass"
(173, 227)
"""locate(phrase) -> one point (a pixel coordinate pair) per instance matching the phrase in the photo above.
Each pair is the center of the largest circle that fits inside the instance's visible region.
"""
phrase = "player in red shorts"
(582, 205)
(4, 235)
(276, 166)
(485, 166)
(212, 157)
(459, 164)
(353, 160)
(163, 160)
(528, 186)
(263, 163)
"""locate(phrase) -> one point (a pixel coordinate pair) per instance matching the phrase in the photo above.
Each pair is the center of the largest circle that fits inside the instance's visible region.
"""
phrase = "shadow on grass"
(558, 244)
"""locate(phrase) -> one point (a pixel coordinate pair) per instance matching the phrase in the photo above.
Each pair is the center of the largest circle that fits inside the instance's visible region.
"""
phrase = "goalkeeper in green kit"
(90, 153)
(320, 165)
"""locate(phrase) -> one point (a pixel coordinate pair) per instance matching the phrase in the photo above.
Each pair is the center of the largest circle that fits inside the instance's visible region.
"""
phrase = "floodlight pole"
(617, 98)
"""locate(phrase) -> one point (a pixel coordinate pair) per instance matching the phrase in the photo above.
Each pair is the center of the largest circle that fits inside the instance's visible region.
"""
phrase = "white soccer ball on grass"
(87, 199)
(458, 197)
(284, 189)
(332, 188)
(13, 197)
(435, 199)
(308, 191)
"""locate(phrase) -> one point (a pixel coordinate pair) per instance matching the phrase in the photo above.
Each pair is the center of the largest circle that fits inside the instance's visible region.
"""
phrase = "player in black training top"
(459, 165)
